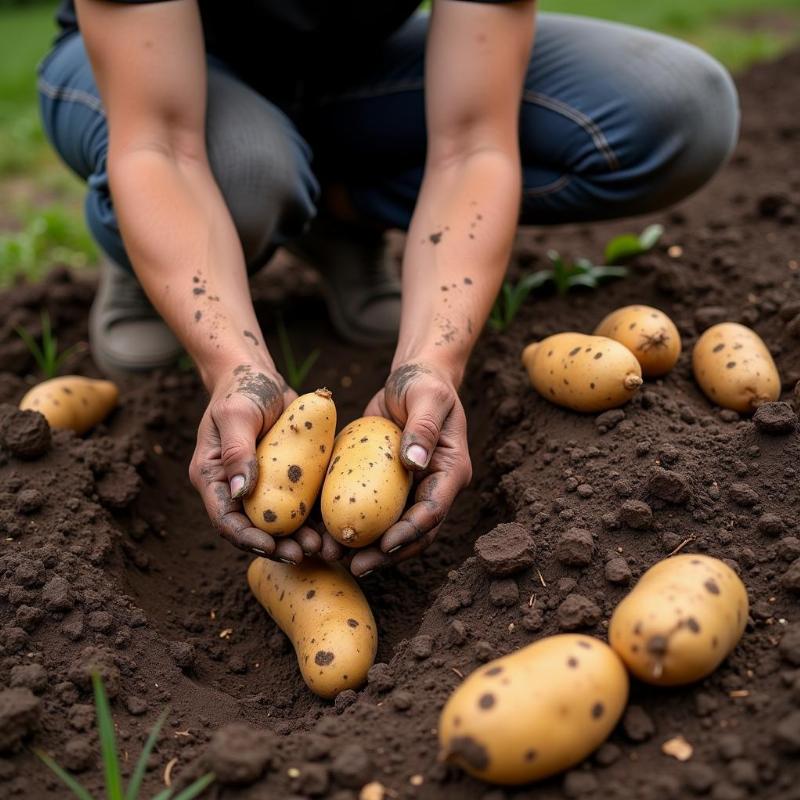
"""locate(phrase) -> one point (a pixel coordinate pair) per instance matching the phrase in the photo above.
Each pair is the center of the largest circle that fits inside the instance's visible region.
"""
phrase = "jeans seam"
(379, 91)
(70, 95)
(549, 188)
(587, 123)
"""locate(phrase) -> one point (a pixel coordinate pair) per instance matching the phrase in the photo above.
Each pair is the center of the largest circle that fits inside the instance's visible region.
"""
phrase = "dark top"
(298, 38)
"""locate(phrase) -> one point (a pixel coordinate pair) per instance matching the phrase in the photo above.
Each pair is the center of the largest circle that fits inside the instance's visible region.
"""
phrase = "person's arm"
(457, 250)
(150, 67)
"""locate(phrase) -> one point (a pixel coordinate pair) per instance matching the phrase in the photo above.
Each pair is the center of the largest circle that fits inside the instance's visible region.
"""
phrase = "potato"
(648, 333)
(366, 487)
(292, 459)
(584, 373)
(322, 610)
(534, 712)
(734, 367)
(680, 621)
(72, 401)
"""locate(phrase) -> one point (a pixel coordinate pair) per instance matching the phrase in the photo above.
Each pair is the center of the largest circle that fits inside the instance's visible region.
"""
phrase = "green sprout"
(567, 275)
(511, 298)
(46, 354)
(295, 374)
(629, 245)
(111, 768)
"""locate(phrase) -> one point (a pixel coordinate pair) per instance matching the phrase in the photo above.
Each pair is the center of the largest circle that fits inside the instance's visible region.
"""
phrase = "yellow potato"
(72, 401)
(366, 487)
(734, 367)
(648, 333)
(322, 610)
(680, 621)
(534, 712)
(292, 459)
(584, 373)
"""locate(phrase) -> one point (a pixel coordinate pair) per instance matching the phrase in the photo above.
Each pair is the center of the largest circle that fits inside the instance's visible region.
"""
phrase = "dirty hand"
(422, 400)
(245, 403)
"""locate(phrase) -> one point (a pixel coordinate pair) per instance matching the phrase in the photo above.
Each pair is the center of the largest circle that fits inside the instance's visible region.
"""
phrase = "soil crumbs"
(108, 564)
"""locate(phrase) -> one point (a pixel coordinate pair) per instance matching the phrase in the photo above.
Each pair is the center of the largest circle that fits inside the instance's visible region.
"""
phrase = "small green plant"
(295, 373)
(511, 298)
(46, 354)
(567, 275)
(111, 768)
(626, 246)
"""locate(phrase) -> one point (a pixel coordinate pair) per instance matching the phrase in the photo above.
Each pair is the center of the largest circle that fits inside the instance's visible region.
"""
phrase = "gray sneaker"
(126, 334)
(361, 289)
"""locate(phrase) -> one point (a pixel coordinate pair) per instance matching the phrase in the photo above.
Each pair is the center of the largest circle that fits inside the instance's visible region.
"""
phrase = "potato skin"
(292, 459)
(72, 401)
(734, 368)
(366, 487)
(322, 610)
(680, 621)
(648, 333)
(535, 712)
(584, 373)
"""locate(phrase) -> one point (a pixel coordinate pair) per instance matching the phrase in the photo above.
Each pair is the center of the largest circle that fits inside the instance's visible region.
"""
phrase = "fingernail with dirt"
(237, 486)
(417, 455)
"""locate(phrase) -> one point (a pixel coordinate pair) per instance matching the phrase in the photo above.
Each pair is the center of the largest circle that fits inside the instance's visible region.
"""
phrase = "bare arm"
(149, 63)
(457, 249)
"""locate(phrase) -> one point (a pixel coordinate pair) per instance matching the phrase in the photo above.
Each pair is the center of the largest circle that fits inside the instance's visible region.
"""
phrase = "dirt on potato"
(108, 564)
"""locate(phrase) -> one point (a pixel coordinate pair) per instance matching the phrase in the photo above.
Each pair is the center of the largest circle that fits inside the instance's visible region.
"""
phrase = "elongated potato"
(366, 487)
(292, 459)
(734, 367)
(648, 333)
(322, 610)
(680, 621)
(584, 373)
(534, 712)
(72, 401)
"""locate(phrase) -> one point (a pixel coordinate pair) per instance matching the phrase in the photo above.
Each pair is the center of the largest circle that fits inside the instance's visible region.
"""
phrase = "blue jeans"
(614, 121)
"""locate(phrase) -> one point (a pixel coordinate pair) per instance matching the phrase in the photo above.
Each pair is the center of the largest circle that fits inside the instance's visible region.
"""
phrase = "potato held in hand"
(72, 401)
(584, 373)
(681, 620)
(734, 367)
(648, 333)
(321, 609)
(292, 459)
(366, 487)
(534, 712)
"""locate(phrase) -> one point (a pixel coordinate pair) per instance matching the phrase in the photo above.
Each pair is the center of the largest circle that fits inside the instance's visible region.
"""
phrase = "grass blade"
(586, 279)
(65, 777)
(108, 741)
(621, 248)
(33, 346)
(194, 789)
(305, 367)
(135, 783)
(649, 237)
(164, 794)
(612, 271)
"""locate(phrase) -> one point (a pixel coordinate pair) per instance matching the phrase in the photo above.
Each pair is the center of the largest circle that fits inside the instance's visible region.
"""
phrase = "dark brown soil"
(108, 563)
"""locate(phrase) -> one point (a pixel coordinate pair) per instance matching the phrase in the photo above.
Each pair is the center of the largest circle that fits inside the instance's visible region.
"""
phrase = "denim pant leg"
(260, 161)
(614, 121)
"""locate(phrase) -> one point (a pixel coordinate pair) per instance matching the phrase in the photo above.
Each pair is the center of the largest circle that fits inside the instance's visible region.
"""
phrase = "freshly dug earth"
(108, 563)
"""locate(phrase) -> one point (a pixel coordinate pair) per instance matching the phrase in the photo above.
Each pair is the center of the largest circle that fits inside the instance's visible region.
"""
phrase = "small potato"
(680, 621)
(584, 373)
(367, 485)
(292, 459)
(535, 712)
(72, 401)
(322, 610)
(734, 367)
(648, 333)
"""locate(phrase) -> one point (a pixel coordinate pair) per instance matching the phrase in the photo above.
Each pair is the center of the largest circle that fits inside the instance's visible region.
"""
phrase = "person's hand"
(423, 401)
(244, 405)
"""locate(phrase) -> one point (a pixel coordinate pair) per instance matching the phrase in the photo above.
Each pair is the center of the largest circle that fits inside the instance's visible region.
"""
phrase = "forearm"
(187, 256)
(456, 255)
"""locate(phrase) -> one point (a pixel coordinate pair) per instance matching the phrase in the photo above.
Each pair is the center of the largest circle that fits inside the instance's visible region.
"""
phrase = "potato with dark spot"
(292, 459)
(72, 401)
(535, 712)
(322, 610)
(366, 487)
(734, 368)
(680, 621)
(648, 333)
(584, 373)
